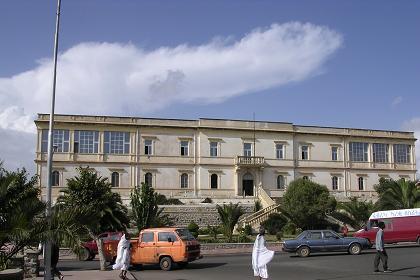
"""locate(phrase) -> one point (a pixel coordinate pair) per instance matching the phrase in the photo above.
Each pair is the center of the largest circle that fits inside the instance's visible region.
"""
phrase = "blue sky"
(365, 74)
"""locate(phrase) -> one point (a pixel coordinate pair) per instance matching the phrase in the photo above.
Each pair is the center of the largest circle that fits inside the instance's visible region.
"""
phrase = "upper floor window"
(334, 153)
(55, 179)
(279, 151)
(148, 179)
(361, 183)
(304, 152)
(358, 151)
(86, 141)
(334, 182)
(184, 148)
(402, 153)
(115, 179)
(116, 142)
(380, 152)
(61, 140)
(184, 180)
(280, 182)
(213, 149)
(213, 181)
(247, 149)
(148, 147)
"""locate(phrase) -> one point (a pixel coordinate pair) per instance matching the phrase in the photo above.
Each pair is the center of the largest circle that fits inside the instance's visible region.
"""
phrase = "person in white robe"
(122, 261)
(261, 256)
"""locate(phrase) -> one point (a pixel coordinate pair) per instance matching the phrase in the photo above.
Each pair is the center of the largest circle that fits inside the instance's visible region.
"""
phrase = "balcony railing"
(251, 161)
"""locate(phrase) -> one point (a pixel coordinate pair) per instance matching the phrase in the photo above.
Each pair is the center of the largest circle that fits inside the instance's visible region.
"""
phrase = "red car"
(90, 248)
(400, 226)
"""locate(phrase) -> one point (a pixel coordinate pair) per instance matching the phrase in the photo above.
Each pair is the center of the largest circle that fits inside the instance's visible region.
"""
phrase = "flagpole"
(47, 248)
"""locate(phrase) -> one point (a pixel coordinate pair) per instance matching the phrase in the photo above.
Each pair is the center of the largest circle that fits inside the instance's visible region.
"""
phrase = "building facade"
(222, 158)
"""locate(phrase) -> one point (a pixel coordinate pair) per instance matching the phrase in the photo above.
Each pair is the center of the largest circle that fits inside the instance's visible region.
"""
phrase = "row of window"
(119, 143)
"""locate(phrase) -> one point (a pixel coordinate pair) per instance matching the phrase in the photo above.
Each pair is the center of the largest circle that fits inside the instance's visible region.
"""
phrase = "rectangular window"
(61, 140)
(86, 141)
(279, 151)
(184, 148)
(213, 149)
(247, 149)
(380, 152)
(116, 142)
(358, 151)
(305, 153)
(148, 150)
(402, 153)
(334, 153)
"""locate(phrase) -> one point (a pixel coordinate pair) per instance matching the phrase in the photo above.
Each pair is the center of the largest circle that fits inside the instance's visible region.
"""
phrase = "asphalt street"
(404, 261)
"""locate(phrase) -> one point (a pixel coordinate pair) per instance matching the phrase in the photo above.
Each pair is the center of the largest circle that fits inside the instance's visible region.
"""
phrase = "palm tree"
(102, 209)
(229, 215)
(354, 212)
(401, 194)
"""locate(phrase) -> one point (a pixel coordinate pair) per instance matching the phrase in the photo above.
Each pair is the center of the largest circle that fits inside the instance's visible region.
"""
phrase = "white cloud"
(122, 79)
(397, 100)
(414, 125)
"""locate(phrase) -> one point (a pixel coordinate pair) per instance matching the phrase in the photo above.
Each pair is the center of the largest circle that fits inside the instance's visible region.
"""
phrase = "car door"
(332, 242)
(315, 241)
(168, 244)
(146, 251)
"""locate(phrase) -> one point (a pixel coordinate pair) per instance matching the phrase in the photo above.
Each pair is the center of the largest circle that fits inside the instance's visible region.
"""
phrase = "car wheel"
(418, 240)
(165, 263)
(91, 256)
(304, 251)
(84, 254)
(182, 264)
(355, 249)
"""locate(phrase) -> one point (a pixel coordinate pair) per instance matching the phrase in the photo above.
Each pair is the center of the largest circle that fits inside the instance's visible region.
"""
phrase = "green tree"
(229, 216)
(401, 194)
(145, 210)
(274, 223)
(306, 203)
(101, 209)
(354, 212)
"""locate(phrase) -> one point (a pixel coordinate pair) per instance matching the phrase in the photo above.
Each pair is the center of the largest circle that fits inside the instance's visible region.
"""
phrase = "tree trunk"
(102, 261)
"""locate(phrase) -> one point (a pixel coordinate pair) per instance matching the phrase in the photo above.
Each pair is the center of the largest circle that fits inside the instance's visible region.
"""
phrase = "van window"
(185, 234)
(163, 236)
(147, 237)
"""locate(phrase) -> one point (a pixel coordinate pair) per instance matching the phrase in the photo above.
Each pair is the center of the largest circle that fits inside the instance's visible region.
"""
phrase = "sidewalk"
(91, 275)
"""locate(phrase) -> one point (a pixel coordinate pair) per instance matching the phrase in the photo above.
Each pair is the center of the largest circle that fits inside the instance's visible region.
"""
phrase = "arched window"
(213, 181)
(115, 179)
(280, 182)
(361, 184)
(55, 179)
(148, 178)
(334, 182)
(184, 180)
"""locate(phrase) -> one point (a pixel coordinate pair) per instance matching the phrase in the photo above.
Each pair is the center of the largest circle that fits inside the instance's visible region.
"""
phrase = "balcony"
(250, 161)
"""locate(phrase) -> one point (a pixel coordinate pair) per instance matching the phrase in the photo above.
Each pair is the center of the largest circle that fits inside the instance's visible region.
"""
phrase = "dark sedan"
(311, 241)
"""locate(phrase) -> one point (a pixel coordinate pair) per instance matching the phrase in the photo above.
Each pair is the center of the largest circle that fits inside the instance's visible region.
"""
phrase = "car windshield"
(185, 234)
(302, 235)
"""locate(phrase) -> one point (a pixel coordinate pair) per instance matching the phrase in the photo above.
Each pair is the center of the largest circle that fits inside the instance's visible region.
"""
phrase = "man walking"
(381, 254)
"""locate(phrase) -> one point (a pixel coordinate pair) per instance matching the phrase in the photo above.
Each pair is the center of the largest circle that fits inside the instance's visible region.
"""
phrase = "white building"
(222, 158)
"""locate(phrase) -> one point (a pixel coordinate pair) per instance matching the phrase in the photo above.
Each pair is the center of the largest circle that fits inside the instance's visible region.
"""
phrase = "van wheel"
(84, 255)
(182, 264)
(355, 249)
(304, 251)
(165, 263)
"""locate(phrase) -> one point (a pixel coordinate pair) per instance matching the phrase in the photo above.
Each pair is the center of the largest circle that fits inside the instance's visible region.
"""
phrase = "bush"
(274, 223)
(207, 200)
(248, 230)
(203, 231)
(279, 235)
(193, 228)
(214, 231)
(162, 200)
(289, 228)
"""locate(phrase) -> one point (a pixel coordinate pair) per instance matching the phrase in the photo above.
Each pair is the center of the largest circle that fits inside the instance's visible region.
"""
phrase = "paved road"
(405, 261)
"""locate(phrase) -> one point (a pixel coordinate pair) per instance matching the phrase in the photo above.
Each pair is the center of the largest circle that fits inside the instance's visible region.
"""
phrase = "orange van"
(163, 246)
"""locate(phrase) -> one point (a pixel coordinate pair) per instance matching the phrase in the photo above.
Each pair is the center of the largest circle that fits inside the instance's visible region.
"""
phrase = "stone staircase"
(255, 219)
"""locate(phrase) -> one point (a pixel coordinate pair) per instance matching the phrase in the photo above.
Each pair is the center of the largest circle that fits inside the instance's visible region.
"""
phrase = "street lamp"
(47, 248)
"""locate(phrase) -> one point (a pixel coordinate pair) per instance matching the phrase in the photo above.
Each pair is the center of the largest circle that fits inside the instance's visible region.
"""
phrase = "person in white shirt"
(123, 256)
(261, 256)
(381, 254)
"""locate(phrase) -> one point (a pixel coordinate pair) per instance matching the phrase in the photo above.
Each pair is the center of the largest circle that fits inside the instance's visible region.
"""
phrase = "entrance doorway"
(248, 185)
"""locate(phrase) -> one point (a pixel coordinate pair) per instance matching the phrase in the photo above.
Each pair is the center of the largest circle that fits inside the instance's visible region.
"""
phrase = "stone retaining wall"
(202, 214)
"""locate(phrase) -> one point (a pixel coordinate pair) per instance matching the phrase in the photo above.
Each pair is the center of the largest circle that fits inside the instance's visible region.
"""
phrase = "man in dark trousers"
(381, 254)
(55, 255)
